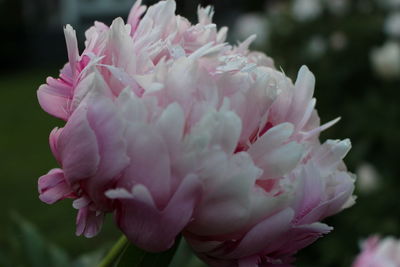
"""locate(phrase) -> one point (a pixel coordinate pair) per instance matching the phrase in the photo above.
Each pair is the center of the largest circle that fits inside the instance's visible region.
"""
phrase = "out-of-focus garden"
(352, 47)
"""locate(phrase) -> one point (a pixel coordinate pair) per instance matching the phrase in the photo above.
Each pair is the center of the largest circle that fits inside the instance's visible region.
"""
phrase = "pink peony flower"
(171, 129)
(378, 252)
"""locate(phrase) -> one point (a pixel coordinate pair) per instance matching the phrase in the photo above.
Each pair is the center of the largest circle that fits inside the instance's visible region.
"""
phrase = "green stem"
(115, 251)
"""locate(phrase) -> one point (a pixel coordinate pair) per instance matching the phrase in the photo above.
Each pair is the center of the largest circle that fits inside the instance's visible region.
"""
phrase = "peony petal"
(150, 228)
(331, 154)
(53, 141)
(263, 233)
(171, 126)
(299, 237)
(109, 129)
(302, 98)
(55, 99)
(53, 187)
(132, 108)
(228, 194)
(88, 222)
(310, 191)
(81, 202)
(273, 138)
(281, 160)
(149, 162)
(77, 144)
(72, 47)
(205, 14)
(304, 85)
(135, 14)
(219, 129)
(342, 193)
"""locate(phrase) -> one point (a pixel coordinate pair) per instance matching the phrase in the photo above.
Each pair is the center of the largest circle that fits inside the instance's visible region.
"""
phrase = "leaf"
(57, 256)
(89, 259)
(133, 256)
(31, 248)
(184, 256)
(32, 243)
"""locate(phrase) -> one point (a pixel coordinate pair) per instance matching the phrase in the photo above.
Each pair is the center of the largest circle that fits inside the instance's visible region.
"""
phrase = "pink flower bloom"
(378, 252)
(171, 129)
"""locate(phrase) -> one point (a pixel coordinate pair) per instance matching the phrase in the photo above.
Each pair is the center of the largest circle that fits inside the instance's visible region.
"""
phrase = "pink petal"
(149, 162)
(227, 207)
(171, 126)
(342, 193)
(53, 140)
(109, 129)
(273, 152)
(53, 187)
(55, 99)
(77, 144)
(262, 234)
(88, 222)
(150, 228)
(72, 47)
(302, 97)
(298, 238)
(330, 155)
(310, 192)
(135, 14)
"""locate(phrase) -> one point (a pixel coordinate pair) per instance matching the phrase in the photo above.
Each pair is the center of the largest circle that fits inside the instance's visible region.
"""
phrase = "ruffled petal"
(149, 162)
(262, 234)
(53, 187)
(109, 129)
(149, 227)
(55, 98)
(78, 148)
(135, 14)
(88, 222)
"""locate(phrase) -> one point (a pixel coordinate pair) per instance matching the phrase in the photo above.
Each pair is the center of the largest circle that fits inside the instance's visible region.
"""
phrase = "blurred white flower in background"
(252, 23)
(367, 178)
(389, 3)
(392, 25)
(338, 7)
(317, 46)
(338, 40)
(305, 10)
(386, 60)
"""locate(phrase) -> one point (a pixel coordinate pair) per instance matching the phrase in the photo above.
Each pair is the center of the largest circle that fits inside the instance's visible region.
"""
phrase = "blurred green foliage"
(28, 247)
